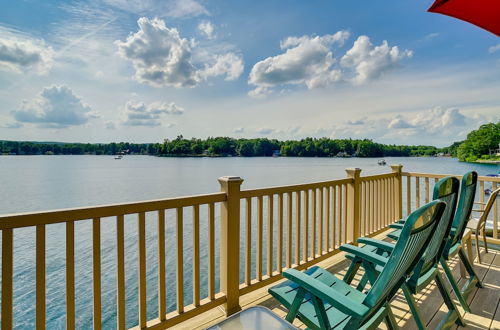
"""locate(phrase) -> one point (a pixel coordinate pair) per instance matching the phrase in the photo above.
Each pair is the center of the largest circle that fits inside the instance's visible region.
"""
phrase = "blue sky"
(143, 71)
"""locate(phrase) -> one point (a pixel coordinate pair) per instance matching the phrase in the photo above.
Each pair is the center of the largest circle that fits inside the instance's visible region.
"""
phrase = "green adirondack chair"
(323, 301)
(454, 243)
(426, 271)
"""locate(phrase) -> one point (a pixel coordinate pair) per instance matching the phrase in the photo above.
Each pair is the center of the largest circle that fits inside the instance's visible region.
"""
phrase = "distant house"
(495, 152)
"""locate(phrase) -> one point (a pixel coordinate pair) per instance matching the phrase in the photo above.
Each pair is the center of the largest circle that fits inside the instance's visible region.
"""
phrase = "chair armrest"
(397, 225)
(386, 246)
(343, 303)
(363, 254)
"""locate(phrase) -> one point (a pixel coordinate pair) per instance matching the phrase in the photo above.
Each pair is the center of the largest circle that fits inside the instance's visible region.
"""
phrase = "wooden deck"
(484, 302)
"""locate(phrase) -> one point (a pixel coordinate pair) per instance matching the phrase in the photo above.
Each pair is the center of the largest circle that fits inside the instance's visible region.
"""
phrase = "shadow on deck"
(484, 302)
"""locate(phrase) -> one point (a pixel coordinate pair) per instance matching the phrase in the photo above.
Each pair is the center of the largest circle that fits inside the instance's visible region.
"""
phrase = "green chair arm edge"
(324, 292)
(363, 254)
(386, 246)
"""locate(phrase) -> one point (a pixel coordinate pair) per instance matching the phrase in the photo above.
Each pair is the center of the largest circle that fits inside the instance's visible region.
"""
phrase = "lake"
(36, 183)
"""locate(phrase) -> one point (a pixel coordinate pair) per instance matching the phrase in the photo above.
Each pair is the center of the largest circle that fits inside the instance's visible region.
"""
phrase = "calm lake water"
(35, 183)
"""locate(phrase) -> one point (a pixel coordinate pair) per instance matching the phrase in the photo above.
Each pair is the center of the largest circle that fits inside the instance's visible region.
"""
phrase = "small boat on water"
(382, 162)
(118, 157)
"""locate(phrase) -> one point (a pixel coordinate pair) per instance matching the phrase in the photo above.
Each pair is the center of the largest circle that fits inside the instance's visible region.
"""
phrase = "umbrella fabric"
(483, 13)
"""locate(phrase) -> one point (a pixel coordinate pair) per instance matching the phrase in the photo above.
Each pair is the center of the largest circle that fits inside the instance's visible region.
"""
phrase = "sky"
(102, 71)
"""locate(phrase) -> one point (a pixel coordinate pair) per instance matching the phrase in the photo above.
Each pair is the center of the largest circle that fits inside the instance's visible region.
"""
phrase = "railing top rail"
(56, 216)
(378, 176)
(439, 176)
(291, 188)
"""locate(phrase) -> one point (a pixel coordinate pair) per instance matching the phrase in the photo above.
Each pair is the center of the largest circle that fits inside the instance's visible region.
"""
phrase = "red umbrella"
(483, 13)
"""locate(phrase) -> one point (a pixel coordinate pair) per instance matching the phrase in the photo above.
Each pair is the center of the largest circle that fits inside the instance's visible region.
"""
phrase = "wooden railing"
(248, 237)
(118, 215)
(418, 188)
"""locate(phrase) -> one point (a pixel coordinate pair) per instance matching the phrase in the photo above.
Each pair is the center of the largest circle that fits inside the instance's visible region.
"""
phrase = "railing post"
(353, 221)
(230, 243)
(398, 191)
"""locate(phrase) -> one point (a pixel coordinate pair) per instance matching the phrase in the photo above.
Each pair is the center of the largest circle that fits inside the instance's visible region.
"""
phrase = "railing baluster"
(70, 275)
(417, 192)
(297, 227)
(321, 206)
(40, 276)
(259, 238)
(408, 195)
(344, 210)
(280, 233)
(248, 242)
(481, 191)
(270, 220)
(339, 207)
(196, 255)
(289, 230)
(305, 209)
(7, 267)
(141, 231)
(314, 224)
(96, 271)
(427, 194)
(334, 217)
(120, 272)
(385, 187)
(180, 260)
(495, 213)
(162, 309)
(327, 218)
(211, 251)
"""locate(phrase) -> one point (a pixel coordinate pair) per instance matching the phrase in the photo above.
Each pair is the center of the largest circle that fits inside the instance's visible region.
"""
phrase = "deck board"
(484, 302)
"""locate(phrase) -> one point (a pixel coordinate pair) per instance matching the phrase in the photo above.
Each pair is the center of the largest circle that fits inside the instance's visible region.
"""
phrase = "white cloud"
(21, 53)
(307, 60)
(207, 29)
(310, 61)
(370, 62)
(110, 125)
(230, 65)
(239, 130)
(181, 8)
(140, 114)
(161, 57)
(399, 122)
(494, 49)
(172, 8)
(265, 130)
(55, 107)
(356, 122)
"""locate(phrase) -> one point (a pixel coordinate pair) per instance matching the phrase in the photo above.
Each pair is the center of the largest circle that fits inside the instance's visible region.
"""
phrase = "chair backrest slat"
(408, 250)
(465, 203)
(445, 190)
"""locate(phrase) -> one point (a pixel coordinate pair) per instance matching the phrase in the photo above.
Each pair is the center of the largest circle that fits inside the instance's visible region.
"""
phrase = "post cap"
(230, 179)
(396, 167)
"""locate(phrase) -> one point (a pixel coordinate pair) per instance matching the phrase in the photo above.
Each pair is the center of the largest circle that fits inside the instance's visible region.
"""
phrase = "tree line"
(224, 146)
(61, 148)
(308, 147)
(478, 145)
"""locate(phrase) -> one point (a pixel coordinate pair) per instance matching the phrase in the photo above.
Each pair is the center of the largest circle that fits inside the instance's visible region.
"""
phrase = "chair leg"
(351, 272)
(454, 313)
(390, 320)
(470, 269)
(454, 284)
(413, 307)
(484, 239)
(477, 246)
